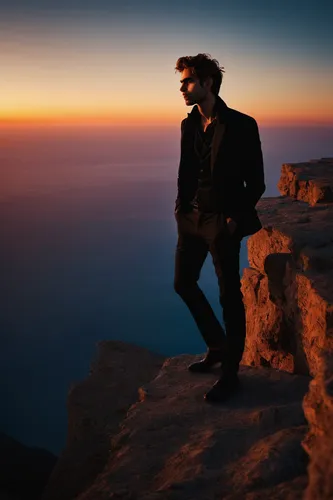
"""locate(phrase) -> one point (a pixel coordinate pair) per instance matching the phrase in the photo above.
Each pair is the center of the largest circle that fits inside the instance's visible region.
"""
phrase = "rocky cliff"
(139, 428)
(288, 292)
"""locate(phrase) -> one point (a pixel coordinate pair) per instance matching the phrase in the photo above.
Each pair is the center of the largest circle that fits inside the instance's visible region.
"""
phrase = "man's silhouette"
(220, 181)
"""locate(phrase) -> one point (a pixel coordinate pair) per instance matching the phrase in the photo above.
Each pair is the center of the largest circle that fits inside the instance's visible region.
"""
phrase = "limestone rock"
(311, 181)
(96, 406)
(174, 445)
(288, 291)
(318, 409)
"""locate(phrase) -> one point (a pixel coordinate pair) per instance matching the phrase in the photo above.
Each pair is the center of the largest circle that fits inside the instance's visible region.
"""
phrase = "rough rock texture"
(95, 408)
(24, 470)
(174, 445)
(288, 290)
(288, 293)
(311, 181)
(318, 409)
(171, 444)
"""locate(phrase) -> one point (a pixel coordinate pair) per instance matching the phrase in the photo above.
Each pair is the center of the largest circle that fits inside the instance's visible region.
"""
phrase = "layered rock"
(288, 293)
(288, 290)
(96, 406)
(310, 181)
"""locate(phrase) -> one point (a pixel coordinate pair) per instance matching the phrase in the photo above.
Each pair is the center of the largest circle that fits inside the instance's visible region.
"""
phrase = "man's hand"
(231, 225)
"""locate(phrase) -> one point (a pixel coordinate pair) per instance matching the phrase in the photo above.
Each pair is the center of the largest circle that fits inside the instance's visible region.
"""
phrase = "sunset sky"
(101, 61)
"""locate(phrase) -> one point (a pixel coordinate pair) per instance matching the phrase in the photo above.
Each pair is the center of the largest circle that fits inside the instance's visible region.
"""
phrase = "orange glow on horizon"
(149, 119)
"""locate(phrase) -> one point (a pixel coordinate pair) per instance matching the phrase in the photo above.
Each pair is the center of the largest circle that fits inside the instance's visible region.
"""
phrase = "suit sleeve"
(179, 180)
(253, 172)
(254, 168)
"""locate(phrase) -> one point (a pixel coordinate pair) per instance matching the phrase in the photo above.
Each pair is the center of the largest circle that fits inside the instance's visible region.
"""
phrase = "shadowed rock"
(24, 470)
(173, 445)
(96, 406)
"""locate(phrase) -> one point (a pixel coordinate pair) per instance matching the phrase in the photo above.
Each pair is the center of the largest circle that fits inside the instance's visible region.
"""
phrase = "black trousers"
(198, 234)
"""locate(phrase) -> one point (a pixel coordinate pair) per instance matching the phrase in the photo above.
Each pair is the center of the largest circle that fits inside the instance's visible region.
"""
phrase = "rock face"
(288, 293)
(311, 181)
(288, 290)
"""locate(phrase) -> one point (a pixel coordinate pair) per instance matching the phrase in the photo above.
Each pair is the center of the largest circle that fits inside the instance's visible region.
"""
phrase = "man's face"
(191, 89)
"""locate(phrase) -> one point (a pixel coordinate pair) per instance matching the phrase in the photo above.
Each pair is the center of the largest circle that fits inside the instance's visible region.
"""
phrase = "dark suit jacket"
(236, 164)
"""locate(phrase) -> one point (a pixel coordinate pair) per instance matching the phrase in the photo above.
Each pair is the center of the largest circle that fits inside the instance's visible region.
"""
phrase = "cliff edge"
(139, 428)
(171, 444)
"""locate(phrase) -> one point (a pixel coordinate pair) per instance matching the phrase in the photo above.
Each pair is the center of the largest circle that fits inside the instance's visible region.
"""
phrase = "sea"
(87, 249)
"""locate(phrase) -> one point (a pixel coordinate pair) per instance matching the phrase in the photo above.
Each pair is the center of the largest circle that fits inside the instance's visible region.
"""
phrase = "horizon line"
(107, 122)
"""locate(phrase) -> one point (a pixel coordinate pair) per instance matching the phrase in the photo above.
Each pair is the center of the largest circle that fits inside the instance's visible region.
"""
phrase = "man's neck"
(206, 109)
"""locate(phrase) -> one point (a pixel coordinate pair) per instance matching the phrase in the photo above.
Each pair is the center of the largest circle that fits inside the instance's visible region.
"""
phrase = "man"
(220, 180)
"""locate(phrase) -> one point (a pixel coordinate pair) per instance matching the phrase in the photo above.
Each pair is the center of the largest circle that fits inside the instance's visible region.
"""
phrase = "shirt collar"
(220, 108)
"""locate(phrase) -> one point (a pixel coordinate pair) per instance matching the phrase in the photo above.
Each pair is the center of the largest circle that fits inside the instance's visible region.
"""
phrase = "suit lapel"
(216, 142)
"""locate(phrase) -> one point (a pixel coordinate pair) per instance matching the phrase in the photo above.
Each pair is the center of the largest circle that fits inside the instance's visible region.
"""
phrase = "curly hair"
(202, 66)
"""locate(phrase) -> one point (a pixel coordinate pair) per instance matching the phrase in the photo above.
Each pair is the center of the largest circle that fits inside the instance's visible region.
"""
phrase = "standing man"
(220, 181)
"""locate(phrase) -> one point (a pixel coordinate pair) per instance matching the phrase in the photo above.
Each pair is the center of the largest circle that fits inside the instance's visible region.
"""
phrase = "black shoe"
(205, 365)
(223, 389)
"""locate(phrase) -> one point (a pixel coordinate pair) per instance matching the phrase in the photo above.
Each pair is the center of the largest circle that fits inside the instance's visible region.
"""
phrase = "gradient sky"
(101, 61)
